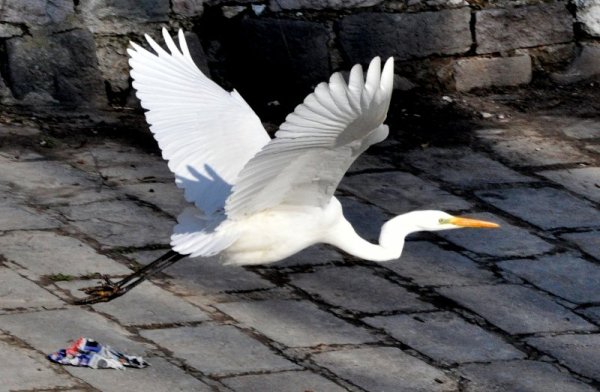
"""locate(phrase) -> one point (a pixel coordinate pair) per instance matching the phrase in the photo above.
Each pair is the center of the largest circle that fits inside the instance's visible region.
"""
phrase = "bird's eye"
(443, 221)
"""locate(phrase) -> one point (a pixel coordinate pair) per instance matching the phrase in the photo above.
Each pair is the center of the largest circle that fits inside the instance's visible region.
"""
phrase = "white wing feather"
(206, 133)
(317, 143)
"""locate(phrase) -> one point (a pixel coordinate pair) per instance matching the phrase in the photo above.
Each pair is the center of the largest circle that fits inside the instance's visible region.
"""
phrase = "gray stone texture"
(36, 13)
(446, 337)
(588, 15)
(282, 382)
(357, 289)
(405, 36)
(578, 352)
(530, 376)
(122, 16)
(314, 255)
(167, 196)
(585, 180)
(385, 369)
(366, 219)
(188, 8)
(295, 323)
(578, 128)
(588, 241)
(483, 72)
(564, 275)
(502, 29)
(517, 309)
(8, 30)
(14, 216)
(278, 5)
(429, 265)
(583, 66)
(548, 208)
(218, 349)
(17, 293)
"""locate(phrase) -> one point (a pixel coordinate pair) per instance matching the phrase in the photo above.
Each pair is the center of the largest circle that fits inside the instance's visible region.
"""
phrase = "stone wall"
(73, 52)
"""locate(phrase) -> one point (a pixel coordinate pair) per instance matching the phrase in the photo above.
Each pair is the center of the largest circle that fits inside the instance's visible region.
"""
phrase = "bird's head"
(439, 220)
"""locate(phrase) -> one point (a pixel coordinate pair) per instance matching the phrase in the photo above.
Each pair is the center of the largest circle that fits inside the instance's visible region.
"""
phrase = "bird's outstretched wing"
(317, 143)
(206, 133)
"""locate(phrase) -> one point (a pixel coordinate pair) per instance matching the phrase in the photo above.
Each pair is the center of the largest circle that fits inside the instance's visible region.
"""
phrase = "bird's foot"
(101, 293)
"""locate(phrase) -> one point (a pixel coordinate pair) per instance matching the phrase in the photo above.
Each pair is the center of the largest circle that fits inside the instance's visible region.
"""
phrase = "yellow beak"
(466, 222)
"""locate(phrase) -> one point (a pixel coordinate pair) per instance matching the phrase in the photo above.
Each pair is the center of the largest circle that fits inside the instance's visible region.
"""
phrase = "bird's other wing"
(317, 143)
(206, 133)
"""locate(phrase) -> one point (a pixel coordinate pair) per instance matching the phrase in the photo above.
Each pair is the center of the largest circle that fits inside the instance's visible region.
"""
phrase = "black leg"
(111, 290)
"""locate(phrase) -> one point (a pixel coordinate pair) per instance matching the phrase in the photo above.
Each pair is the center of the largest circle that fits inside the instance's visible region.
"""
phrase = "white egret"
(259, 200)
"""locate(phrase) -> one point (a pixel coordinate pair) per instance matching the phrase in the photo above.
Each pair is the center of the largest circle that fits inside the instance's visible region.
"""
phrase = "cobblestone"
(588, 241)
(17, 217)
(282, 382)
(17, 292)
(585, 181)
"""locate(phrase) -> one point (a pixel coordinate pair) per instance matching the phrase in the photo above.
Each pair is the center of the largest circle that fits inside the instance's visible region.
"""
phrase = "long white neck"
(391, 240)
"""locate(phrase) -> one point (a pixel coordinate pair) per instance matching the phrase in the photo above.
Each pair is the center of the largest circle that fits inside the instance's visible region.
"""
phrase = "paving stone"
(373, 160)
(580, 353)
(369, 34)
(446, 337)
(399, 192)
(507, 240)
(530, 376)
(161, 376)
(516, 309)
(365, 218)
(282, 382)
(38, 253)
(593, 148)
(585, 65)
(578, 128)
(547, 208)
(585, 181)
(564, 275)
(593, 313)
(14, 216)
(218, 349)
(120, 223)
(314, 255)
(553, 24)
(51, 330)
(357, 289)
(24, 369)
(295, 323)
(17, 292)
(483, 72)
(278, 5)
(429, 265)
(385, 369)
(167, 196)
(588, 241)
(463, 167)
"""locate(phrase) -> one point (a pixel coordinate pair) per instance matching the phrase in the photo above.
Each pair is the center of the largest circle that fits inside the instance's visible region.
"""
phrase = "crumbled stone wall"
(74, 52)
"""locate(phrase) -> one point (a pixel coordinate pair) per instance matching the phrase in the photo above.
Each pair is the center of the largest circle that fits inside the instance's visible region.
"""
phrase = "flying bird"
(259, 200)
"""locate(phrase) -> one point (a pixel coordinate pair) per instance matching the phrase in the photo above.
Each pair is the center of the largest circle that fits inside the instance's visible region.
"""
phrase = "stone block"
(548, 208)
(505, 241)
(17, 292)
(531, 376)
(446, 338)
(405, 36)
(36, 13)
(122, 16)
(8, 30)
(295, 323)
(282, 382)
(14, 216)
(188, 8)
(585, 65)
(357, 289)
(463, 167)
(314, 255)
(502, 29)
(63, 65)
(578, 128)
(287, 5)
(113, 62)
(588, 241)
(593, 313)
(580, 353)
(482, 72)
(517, 309)
(218, 349)
(166, 196)
(426, 264)
(564, 275)
(588, 16)
(385, 369)
(365, 218)
(400, 192)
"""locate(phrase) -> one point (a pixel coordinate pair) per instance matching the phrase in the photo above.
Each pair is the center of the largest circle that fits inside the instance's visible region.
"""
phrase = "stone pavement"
(515, 309)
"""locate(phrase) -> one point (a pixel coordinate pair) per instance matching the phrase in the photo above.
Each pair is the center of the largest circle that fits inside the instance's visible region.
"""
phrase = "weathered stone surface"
(400, 192)
(282, 382)
(39, 253)
(121, 223)
(588, 15)
(218, 349)
(578, 128)
(14, 216)
(503, 29)
(113, 61)
(405, 36)
(314, 255)
(593, 313)
(585, 180)
(36, 13)
(163, 377)
(429, 265)
(447, 338)
(357, 289)
(588, 241)
(8, 30)
(295, 323)
(584, 66)
(17, 292)
(547, 208)
(564, 275)
(366, 219)
(24, 369)
(167, 196)
(484, 72)
(63, 65)
(530, 376)
(517, 309)
(122, 16)
(581, 353)
(507, 240)
(461, 166)
(385, 369)
(278, 5)
(188, 8)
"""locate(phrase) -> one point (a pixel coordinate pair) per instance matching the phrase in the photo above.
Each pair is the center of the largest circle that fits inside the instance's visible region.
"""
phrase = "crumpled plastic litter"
(87, 352)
